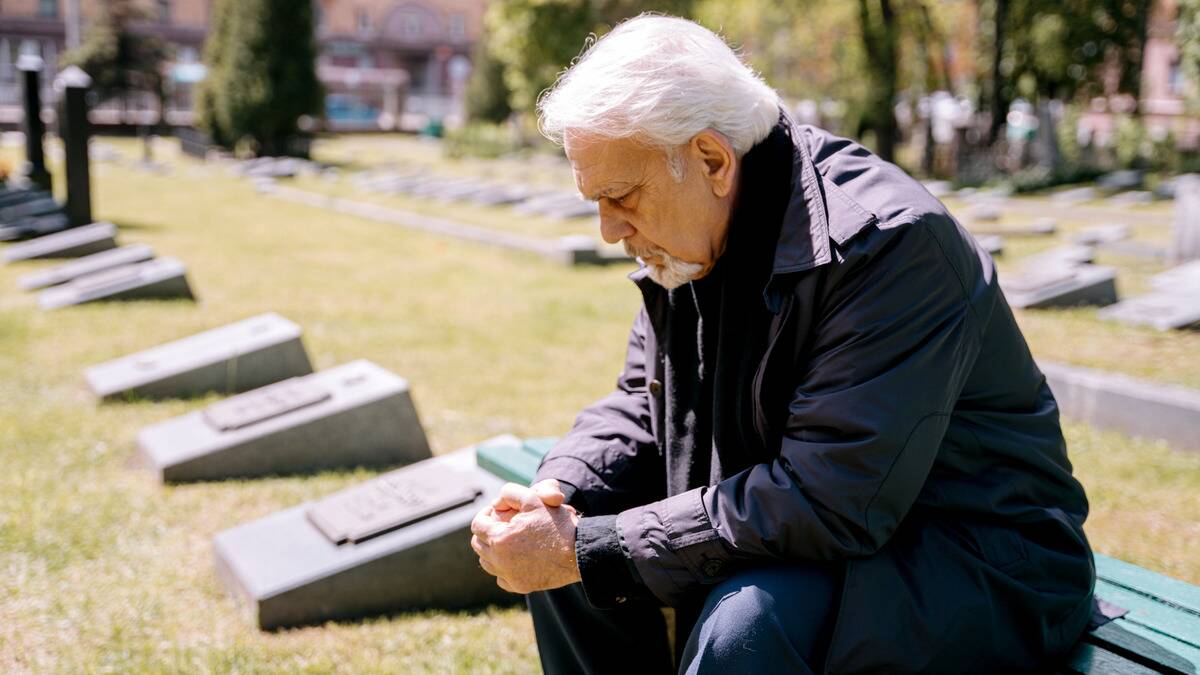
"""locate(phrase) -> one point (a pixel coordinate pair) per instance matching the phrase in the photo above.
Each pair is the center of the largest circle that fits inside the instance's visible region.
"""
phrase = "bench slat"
(1163, 653)
(1153, 614)
(1175, 592)
(1088, 659)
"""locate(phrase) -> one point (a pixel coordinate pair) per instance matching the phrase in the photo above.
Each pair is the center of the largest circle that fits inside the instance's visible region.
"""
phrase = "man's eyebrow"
(608, 191)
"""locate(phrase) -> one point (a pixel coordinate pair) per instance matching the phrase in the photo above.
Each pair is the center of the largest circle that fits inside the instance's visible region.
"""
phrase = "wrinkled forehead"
(601, 164)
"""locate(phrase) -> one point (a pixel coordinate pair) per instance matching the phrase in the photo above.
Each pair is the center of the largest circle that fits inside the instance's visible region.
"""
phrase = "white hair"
(660, 80)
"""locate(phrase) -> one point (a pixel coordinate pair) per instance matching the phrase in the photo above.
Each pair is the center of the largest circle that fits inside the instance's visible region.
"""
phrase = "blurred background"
(965, 90)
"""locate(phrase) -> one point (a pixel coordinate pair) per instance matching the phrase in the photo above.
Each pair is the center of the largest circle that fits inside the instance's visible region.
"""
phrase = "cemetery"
(273, 392)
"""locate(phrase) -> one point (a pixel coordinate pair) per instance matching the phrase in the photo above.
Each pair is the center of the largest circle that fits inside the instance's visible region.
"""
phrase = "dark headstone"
(357, 414)
(96, 262)
(398, 542)
(31, 68)
(29, 208)
(75, 130)
(73, 243)
(236, 357)
(161, 279)
(34, 226)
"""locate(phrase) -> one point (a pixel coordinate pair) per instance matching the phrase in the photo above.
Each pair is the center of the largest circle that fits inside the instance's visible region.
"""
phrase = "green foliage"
(119, 60)
(480, 139)
(535, 40)
(262, 77)
(1188, 39)
(487, 95)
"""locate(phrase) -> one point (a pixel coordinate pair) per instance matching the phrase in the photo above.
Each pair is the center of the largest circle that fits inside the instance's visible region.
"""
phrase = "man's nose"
(613, 226)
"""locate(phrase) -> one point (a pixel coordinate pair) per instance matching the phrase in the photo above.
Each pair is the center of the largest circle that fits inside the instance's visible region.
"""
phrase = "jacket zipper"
(760, 415)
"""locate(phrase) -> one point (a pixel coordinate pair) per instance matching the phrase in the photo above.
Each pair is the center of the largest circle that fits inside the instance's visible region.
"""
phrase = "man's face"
(678, 228)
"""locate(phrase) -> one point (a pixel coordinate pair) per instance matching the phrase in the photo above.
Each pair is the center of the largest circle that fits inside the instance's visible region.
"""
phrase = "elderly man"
(830, 449)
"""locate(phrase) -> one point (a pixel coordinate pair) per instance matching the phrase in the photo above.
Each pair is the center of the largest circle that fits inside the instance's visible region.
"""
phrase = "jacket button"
(712, 568)
(621, 599)
(655, 388)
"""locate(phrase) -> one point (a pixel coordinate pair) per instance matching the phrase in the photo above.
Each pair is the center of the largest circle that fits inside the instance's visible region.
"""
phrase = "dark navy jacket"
(911, 433)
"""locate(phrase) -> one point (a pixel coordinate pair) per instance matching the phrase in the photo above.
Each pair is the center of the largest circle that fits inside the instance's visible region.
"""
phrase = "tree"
(261, 56)
(1188, 38)
(487, 94)
(535, 40)
(880, 34)
(120, 59)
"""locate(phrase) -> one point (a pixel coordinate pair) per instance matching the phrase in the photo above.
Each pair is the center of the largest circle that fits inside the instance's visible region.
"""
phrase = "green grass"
(104, 570)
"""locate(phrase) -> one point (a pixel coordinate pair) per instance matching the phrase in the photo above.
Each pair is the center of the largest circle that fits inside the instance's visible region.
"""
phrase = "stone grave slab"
(993, 244)
(1067, 255)
(1118, 181)
(985, 213)
(1075, 195)
(1163, 310)
(357, 414)
(90, 264)
(1042, 227)
(1133, 406)
(500, 195)
(397, 542)
(73, 243)
(35, 226)
(1132, 198)
(34, 207)
(12, 197)
(1186, 244)
(1061, 286)
(236, 357)
(1185, 277)
(160, 279)
(1101, 234)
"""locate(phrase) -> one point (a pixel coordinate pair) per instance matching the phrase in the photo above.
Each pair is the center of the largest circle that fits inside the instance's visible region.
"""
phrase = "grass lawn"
(104, 570)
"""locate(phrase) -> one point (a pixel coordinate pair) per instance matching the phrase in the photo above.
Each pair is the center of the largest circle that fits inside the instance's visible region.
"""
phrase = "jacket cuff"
(605, 570)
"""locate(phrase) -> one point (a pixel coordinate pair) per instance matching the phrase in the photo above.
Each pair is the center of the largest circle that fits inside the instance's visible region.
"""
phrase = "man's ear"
(717, 158)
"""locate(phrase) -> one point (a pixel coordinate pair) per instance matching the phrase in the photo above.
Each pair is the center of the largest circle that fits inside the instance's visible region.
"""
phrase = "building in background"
(385, 63)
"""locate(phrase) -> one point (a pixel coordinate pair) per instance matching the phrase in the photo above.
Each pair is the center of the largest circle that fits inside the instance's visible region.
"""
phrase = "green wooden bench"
(1158, 630)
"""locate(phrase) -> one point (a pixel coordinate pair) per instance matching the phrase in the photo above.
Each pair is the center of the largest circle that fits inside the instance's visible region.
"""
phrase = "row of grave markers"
(395, 542)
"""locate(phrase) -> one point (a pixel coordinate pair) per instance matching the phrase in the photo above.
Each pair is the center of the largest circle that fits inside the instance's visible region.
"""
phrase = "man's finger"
(479, 546)
(488, 567)
(504, 584)
(549, 492)
(517, 497)
(481, 524)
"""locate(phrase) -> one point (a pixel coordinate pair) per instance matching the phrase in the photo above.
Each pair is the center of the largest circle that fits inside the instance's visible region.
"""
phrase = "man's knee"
(775, 617)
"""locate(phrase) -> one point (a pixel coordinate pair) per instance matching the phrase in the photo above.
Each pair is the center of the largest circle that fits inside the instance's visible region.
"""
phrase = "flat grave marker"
(90, 264)
(1101, 234)
(1186, 244)
(160, 279)
(393, 543)
(233, 358)
(73, 243)
(1067, 255)
(1185, 277)
(357, 414)
(1163, 310)
(993, 244)
(1061, 286)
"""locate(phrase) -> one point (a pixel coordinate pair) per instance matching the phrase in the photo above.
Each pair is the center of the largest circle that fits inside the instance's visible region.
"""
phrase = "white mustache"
(672, 273)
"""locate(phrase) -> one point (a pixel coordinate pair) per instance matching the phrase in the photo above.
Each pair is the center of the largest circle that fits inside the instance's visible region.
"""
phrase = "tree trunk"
(1143, 34)
(880, 44)
(1000, 102)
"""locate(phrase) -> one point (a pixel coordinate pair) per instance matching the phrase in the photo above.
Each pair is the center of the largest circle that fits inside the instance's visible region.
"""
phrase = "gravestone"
(991, 243)
(1101, 234)
(28, 209)
(500, 195)
(30, 66)
(34, 226)
(984, 213)
(96, 262)
(1185, 277)
(73, 84)
(1041, 227)
(1132, 198)
(1067, 255)
(357, 414)
(10, 196)
(1117, 181)
(1162, 310)
(1061, 286)
(161, 279)
(237, 357)
(1075, 195)
(397, 542)
(1186, 245)
(74, 243)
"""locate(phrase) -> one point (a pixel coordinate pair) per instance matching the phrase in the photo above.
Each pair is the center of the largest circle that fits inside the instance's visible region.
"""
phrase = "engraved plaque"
(1040, 279)
(390, 502)
(264, 403)
(102, 281)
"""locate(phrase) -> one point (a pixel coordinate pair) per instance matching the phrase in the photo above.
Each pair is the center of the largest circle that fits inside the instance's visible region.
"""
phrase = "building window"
(164, 11)
(1175, 79)
(48, 9)
(458, 26)
(364, 21)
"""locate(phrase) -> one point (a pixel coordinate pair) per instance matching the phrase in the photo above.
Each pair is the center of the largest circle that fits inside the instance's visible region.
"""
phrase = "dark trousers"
(765, 620)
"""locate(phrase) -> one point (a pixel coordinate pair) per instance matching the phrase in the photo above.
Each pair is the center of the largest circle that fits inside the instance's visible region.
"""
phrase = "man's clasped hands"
(526, 538)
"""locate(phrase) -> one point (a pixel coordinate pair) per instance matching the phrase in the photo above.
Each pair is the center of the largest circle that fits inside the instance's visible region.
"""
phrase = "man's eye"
(623, 198)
